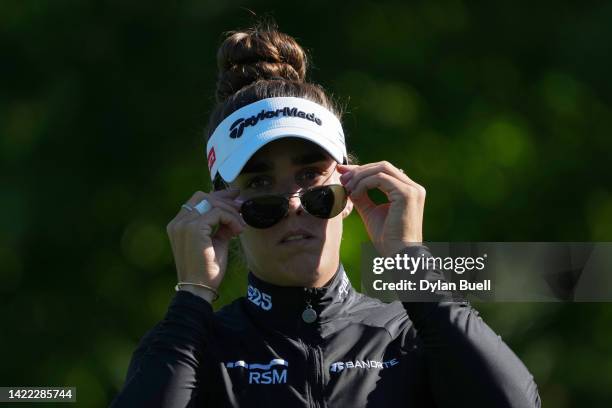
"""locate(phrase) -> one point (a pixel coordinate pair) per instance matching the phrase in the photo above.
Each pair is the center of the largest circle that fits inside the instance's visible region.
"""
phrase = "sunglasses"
(321, 201)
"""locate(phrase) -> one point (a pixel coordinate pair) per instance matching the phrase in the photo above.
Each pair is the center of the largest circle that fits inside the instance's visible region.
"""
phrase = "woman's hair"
(261, 62)
(258, 63)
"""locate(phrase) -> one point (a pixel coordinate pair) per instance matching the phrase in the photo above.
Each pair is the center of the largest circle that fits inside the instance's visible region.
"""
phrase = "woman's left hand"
(394, 225)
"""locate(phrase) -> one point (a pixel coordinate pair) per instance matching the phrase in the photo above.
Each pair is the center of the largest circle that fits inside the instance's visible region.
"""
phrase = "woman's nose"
(295, 205)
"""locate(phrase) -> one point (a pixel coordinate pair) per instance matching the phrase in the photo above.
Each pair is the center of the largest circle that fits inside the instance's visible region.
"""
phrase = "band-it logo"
(237, 128)
(275, 372)
(362, 364)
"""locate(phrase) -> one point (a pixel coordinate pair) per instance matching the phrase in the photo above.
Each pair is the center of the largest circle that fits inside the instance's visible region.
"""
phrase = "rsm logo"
(275, 372)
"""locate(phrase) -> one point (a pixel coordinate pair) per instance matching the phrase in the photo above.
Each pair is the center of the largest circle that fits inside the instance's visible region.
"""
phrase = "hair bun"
(257, 53)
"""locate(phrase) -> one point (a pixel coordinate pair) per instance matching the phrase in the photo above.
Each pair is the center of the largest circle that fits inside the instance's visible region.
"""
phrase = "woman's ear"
(347, 210)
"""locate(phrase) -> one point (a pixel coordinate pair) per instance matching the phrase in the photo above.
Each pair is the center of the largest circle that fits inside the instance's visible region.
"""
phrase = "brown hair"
(261, 62)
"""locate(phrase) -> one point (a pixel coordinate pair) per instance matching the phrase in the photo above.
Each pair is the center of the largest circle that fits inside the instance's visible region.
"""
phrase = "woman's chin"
(303, 269)
(310, 275)
(307, 278)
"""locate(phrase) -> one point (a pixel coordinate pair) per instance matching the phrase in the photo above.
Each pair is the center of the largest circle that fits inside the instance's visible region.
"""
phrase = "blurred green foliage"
(503, 111)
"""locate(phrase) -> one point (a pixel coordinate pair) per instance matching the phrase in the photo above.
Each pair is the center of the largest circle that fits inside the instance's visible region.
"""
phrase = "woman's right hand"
(200, 253)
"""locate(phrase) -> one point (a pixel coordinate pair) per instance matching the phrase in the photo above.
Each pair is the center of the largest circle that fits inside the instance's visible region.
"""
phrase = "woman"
(303, 336)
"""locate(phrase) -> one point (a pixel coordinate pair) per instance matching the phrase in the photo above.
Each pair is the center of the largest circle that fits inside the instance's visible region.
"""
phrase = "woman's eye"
(310, 175)
(259, 182)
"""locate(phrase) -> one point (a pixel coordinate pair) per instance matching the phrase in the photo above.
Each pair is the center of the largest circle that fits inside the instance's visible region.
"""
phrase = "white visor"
(248, 129)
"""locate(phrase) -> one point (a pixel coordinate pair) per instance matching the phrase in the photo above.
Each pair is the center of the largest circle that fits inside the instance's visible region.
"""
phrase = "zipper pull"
(309, 315)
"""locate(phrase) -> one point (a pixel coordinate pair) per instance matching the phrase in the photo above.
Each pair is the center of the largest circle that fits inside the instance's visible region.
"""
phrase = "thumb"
(363, 204)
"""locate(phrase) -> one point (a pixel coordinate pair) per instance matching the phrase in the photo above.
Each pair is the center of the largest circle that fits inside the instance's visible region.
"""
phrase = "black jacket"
(359, 352)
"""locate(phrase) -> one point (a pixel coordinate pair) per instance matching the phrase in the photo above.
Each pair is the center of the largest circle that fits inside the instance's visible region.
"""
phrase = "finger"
(372, 168)
(391, 186)
(225, 193)
(231, 202)
(177, 224)
(383, 166)
(198, 196)
(363, 204)
(219, 216)
(229, 206)
(343, 168)
(193, 200)
(392, 170)
(345, 171)
(231, 224)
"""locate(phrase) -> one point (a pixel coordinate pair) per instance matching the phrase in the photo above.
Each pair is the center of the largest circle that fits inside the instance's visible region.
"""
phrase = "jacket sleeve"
(467, 363)
(166, 368)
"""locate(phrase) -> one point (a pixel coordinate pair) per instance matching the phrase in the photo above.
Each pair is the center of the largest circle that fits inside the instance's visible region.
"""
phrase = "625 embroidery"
(258, 298)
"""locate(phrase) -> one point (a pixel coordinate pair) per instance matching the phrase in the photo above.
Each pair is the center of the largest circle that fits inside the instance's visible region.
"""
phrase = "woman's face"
(286, 166)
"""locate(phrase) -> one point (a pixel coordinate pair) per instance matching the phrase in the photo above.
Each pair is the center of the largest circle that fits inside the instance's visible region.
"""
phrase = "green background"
(502, 110)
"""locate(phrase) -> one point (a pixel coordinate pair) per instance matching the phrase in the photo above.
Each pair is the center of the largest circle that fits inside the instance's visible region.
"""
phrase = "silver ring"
(187, 207)
(203, 206)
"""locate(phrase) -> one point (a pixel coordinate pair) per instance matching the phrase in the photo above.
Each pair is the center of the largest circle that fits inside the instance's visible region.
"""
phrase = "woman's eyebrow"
(308, 158)
(256, 167)
(262, 166)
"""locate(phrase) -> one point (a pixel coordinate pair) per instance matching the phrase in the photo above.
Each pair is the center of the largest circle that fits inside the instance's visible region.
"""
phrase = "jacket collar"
(283, 307)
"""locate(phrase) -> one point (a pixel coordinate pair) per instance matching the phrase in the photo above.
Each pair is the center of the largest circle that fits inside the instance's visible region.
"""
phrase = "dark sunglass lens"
(326, 201)
(264, 211)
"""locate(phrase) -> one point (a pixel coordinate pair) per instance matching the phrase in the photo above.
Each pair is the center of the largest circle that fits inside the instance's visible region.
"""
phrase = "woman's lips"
(295, 237)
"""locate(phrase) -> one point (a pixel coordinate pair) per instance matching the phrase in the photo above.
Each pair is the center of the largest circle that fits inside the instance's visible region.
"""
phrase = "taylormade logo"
(238, 126)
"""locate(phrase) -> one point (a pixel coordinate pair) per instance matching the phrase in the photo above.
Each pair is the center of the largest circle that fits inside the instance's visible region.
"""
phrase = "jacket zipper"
(314, 361)
(315, 376)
